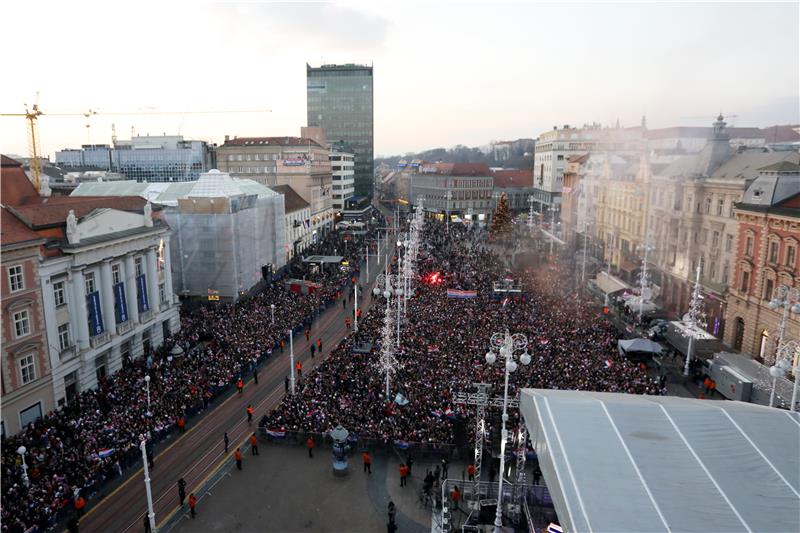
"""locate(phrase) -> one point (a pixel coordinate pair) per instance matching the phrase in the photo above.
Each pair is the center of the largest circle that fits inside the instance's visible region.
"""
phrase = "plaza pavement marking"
(107, 498)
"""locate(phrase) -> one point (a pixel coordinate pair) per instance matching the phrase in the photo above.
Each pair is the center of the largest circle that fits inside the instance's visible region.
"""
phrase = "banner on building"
(95, 313)
(141, 291)
(120, 304)
(455, 293)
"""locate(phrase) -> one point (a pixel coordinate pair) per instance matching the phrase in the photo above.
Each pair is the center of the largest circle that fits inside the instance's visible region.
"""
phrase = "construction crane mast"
(33, 113)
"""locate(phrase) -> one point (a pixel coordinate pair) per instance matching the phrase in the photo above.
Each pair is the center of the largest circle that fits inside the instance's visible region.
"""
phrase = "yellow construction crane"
(32, 116)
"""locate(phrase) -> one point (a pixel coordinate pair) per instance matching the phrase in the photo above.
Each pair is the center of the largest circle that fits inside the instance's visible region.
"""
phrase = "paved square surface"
(282, 490)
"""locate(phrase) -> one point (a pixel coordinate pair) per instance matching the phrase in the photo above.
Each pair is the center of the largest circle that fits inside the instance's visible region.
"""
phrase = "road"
(198, 452)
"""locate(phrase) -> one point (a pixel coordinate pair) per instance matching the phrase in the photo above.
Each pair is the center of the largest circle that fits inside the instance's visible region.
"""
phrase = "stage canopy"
(620, 462)
(639, 345)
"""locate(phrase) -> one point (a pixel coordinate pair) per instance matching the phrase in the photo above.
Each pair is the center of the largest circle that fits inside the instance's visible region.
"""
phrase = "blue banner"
(95, 314)
(141, 290)
(120, 305)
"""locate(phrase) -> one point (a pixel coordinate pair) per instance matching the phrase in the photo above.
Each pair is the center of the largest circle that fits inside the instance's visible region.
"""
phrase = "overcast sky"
(448, 73)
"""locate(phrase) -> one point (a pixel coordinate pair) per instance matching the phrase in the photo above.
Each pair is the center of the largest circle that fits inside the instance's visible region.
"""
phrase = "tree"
(501, 219)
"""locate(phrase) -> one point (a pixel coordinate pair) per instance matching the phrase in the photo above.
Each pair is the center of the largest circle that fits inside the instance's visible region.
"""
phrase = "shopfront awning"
(608, 283)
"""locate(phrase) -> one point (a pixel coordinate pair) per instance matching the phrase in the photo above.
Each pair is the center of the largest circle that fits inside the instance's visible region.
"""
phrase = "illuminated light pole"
(449, 197)
(147, 388)
(272, 312)
(531, 201)
(644, 279)
(788, 298)
(355, 307)
(505, 345)
(151, 515)
(388, 363)
(291, 357)
(694, 320)
(784, 359)
(22, 450)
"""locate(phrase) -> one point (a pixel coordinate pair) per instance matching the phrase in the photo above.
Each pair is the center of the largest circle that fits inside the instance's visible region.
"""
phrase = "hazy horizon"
(445, 74)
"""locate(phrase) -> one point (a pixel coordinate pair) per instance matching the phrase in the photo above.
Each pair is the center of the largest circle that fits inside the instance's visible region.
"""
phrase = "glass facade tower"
(340, 101)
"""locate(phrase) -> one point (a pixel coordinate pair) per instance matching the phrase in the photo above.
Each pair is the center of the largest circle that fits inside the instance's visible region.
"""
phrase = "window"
(59, 294)
(715, 239)
(71, 386)
(16, 280)
(125, 352)
(115, 275)
(708, 205)
(138, 266)
(63, 336)
(90, 286)
(745, 285)
(748, 246)
(27, 369)
(146, 345)
(791, 254)
(726, 270)
(100, 366)
(160, 261)
(728, 242)
(162, 293)
(769, 285)
(773, 252)
(22, 323)
(720, 206)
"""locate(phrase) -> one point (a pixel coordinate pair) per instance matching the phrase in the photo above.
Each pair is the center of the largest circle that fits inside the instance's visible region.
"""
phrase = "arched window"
(738, 337)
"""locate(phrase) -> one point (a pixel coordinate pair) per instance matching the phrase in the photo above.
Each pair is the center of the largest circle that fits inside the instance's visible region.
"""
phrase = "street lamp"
(531, 201)
(787, 354)
(788, 298)
(644, 278)
(272, 312)
(22, 451)
(388, 363)
(694, 321)
(147, 387)
(449, 197)
(151, 515)
(506, 346)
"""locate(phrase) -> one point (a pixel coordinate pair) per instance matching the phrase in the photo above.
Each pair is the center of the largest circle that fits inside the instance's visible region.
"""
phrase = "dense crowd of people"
(74, 451)
(444, 344)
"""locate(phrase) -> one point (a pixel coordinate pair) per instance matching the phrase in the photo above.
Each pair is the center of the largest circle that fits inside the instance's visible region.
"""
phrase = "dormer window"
(757, 193)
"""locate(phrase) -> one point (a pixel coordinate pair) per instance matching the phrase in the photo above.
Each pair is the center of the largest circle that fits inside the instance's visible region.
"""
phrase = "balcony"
(147, 316)
(99, 340)
(67, 353)
(125, 327)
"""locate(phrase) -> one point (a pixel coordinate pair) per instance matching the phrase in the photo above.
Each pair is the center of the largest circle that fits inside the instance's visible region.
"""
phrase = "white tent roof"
(620, 462)
(639, 345)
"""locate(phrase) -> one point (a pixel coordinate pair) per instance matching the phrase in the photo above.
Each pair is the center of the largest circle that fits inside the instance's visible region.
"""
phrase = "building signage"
(121, 307)
(141, 291)
(294, 162)
(95, 313)
(213, 295)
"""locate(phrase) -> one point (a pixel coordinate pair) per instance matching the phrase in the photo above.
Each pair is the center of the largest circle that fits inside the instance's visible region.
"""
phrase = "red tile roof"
(782, 133)
(15, 187)
(275, 141)
(12, 231)
(53, 211)
(504, 179)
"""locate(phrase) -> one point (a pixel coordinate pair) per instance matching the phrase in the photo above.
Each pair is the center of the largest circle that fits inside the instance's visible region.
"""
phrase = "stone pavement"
(282, 490)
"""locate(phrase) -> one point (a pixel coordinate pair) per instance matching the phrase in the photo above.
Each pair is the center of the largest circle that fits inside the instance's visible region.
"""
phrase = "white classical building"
(107, 292)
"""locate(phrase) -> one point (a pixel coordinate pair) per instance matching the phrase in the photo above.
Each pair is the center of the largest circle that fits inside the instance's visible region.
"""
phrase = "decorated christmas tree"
(501, 219)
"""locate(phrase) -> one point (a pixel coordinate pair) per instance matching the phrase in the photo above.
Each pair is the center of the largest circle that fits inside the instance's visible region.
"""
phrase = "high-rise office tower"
(340, 101)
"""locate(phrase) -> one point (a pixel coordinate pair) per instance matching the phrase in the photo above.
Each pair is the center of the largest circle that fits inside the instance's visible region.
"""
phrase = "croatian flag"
(105, 452)
(437, 413)
(432, 348)
(608, 363)
(455, 293)
(276, 433)
(312, 413)
(449, 414)
(402, 444)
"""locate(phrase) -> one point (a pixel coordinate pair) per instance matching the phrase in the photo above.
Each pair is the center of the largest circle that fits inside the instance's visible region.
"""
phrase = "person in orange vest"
(367, 462)
(358, 312)
(455, 496)
(249, 414)
(310, 446)
(347, 322)
(403, 474)
(192, 504)
(308, 334)
(712, 387)
(283, 343)
(298, 367)
(254, 444)
(319, 345)
(80, 505)
(240, 385)
(707, 384)
(471, 471)
(181, 424)
(237, 455)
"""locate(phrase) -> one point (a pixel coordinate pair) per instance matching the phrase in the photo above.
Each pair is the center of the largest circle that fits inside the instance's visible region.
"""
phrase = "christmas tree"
(501, 219)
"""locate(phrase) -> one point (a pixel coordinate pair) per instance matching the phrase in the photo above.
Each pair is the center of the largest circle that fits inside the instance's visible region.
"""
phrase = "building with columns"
(767, 256)
(105, 284)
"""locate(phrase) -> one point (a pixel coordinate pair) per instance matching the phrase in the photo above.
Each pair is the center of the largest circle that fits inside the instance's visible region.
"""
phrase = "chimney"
(227, 138)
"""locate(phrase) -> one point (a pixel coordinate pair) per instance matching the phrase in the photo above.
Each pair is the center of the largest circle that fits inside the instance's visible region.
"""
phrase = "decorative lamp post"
(787, 354)
(531, 201)
(505, 345)
(151, 515)
(449, 196)
(272, 312)
(22, 450)
(147, 388)
(644, 279)
(788, 298)
(388, 363)
(291, 357)
(694, 321)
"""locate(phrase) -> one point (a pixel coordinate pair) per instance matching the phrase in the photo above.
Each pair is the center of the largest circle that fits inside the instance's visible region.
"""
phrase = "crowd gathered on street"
(71, 453)
(444, 342)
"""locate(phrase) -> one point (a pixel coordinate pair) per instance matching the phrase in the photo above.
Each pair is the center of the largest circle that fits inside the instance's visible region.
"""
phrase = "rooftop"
(505, 179)
(12, 231)
(52, 212)
(458, 169)
(15, 187)
(292, 201)
(272, 141)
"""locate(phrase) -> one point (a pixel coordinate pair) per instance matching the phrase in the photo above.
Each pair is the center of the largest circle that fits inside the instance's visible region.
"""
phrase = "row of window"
(774, 255)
